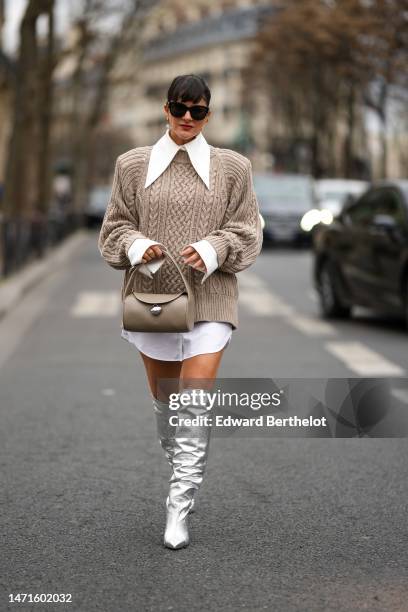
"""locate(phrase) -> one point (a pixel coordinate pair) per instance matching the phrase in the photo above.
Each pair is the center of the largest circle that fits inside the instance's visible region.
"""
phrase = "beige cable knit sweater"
(178, 209)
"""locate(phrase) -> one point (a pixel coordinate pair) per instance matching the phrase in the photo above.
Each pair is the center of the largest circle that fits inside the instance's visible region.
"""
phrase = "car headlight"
(314, 217)
(310, 219)
(326, 216)
(262, 221)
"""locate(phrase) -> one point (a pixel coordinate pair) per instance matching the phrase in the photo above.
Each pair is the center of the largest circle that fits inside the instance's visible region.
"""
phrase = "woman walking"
(197, 201)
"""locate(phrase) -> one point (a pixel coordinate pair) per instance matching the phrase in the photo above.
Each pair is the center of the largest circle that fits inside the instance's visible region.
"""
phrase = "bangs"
(189, 88)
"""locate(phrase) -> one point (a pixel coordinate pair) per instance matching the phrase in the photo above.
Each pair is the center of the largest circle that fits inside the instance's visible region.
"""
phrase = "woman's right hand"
(152, 252)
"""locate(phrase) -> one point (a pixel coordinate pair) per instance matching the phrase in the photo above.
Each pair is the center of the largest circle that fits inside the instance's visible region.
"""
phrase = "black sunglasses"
(178, 109)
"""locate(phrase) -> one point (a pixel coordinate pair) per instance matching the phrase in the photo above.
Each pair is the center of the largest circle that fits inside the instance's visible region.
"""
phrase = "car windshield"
(290, 193)
(334, 195)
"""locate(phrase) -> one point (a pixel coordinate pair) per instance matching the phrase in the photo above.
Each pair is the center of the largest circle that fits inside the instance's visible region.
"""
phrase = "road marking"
(265, 303)
(256, 296)
(400, 394)
(312, 327)
(252, 281)
(96, 304)
(362, 360)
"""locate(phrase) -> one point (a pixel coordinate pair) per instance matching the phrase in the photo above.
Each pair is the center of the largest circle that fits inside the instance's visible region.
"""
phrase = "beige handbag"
(159, 312)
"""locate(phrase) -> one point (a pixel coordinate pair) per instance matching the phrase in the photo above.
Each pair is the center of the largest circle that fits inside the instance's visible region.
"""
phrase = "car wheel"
(330, 304)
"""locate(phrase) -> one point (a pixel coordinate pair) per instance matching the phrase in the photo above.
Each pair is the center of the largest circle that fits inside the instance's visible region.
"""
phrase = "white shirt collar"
(165, 149)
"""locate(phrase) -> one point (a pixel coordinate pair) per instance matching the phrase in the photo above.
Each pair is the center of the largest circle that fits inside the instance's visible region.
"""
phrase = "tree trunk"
(22, 178)
(349, 140)
(45, 109)
(384, 144)
(22, 168)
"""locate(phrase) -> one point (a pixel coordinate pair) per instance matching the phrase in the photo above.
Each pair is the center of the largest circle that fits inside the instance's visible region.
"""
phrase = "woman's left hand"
(192, 258)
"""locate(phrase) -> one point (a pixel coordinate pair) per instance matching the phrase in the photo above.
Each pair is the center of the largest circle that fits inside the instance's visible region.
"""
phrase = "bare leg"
(203, 366)
(156, 369)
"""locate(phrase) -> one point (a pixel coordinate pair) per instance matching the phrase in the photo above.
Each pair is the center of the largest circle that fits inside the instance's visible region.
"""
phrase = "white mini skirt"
(205, 337)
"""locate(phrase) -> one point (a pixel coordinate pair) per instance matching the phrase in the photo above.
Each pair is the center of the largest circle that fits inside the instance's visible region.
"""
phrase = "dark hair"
(188, 87)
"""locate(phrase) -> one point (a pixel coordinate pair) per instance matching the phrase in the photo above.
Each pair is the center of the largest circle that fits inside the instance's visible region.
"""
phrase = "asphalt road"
(301, 524)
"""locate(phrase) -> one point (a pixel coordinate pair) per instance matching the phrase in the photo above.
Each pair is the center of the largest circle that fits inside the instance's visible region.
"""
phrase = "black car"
(362, 257)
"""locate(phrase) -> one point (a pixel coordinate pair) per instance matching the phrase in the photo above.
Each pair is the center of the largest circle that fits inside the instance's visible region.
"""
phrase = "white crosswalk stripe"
(312, 327)
(362, 360)
(401, 395)
(96, 304)
(265, 303)
(256, 296)
(248, 280)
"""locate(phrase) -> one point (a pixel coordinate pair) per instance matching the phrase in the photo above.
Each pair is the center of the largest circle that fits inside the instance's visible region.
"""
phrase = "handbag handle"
(169, 255)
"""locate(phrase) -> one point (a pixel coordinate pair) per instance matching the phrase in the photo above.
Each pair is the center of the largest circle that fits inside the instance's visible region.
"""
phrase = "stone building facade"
(207, 37)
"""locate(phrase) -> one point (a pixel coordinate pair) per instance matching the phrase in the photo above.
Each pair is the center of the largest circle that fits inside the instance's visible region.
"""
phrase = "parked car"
(283, 201)
(96, 205)
(362, 257)
(333, 193)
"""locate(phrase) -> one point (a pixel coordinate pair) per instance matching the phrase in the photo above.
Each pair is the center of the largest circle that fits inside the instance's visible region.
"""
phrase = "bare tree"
(27, 153)
(326, 59)
(130, 17)
(385, 49)
(291, 58)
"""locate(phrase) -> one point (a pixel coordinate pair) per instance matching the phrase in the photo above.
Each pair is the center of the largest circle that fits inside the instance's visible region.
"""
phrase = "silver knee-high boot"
(190, 454)
(165, 431)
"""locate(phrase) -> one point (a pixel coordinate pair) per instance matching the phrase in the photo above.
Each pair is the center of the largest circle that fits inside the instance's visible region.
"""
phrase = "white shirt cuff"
(135, 254)
(208, 254)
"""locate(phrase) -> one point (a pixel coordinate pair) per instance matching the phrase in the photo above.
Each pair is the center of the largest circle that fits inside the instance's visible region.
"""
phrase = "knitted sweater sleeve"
(120, 225)
(238, 241)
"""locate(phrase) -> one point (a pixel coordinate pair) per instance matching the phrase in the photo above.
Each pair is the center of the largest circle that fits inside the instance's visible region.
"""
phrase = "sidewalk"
(12, 288)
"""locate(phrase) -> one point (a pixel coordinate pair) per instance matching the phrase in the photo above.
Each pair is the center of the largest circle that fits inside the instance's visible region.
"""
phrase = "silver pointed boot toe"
(176, 533)
(190, 454)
